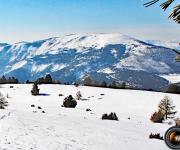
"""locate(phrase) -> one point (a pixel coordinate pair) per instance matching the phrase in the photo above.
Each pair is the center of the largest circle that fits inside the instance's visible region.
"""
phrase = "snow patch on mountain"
(18, 65)
(143, 64)
(172, 78)
(170, 44)
(39, 68)
(57, 67)
(106, 70)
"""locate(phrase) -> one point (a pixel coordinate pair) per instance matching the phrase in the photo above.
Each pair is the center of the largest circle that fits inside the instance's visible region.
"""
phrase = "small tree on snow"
(35, 90)
(157, 117)
(3, 102)
(69, 102)
(78, 95)
(167, 108)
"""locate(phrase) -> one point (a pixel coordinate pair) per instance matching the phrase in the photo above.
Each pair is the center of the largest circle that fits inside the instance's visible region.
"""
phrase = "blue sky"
(27, 20)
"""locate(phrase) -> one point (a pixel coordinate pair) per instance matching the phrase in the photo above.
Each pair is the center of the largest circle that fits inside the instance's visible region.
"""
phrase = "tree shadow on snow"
(43, 94)
(84, 99)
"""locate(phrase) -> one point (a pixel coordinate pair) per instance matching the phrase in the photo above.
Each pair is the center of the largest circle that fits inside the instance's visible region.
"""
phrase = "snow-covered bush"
(3, 102)
(157, 117)
(111, 116)
(156, 136)
(78, 95)
(69, 102)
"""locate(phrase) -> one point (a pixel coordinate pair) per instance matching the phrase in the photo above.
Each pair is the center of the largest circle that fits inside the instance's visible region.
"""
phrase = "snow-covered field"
(22, 128)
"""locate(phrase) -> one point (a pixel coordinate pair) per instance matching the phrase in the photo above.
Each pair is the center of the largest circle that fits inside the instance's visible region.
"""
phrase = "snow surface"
(75, 129)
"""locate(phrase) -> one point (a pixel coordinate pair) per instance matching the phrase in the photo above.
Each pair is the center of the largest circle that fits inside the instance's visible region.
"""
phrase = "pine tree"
(3, 80)
(167, 108)
(123, 85)
(48, 79)
(87, 81)
(113, 85)
(104, 84)
(40, 80)
(35, 90)
(14, 80)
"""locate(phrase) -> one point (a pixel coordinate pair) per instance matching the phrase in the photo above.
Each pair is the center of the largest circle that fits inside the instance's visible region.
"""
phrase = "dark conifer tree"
(123, 85)
(104, 84)
(88, 81)
(48, 79)
(35, 90)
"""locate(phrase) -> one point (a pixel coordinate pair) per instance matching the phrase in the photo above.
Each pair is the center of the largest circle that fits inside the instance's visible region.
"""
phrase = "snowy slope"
(172, 78)
(71, 57)
(170, 44)
(75, 129)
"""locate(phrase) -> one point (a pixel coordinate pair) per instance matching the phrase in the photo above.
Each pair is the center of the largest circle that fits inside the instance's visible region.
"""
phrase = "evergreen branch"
(175, 15)
(166, 4)
(150, 3)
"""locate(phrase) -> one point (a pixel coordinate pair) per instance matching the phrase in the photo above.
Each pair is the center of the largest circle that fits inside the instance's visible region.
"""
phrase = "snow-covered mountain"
(103, 56)
(170, 44)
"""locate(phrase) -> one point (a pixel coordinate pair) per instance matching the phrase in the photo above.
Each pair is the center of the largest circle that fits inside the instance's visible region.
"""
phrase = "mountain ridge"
(69, 58)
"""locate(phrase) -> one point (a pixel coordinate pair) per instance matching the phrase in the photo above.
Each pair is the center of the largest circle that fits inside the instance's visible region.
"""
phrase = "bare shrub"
(167, 108)
(157, 117)
(156, 136)
(111, 116)
(177, 122)
(78, 95)
(165, 111)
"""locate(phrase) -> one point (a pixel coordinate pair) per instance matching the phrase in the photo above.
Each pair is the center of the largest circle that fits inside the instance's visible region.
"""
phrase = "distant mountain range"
(102, 56)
